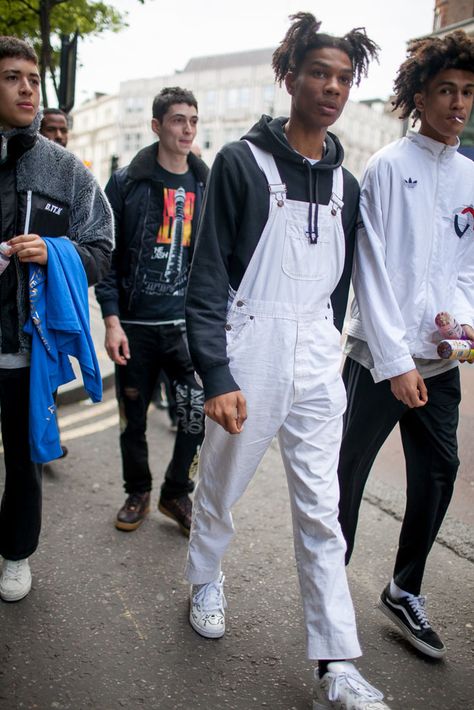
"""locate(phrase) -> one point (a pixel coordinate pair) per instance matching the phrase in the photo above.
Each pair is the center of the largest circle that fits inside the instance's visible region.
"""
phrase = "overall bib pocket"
(301, 259)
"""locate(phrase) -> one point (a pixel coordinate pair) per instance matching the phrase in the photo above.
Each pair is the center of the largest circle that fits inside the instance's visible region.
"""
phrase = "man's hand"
(410, 389)
(229, 410)
(29, 248)
(116, 342)
(469, 330)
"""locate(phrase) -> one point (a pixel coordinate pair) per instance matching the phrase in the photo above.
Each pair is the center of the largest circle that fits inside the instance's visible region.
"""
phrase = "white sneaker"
(15, 582)
(206, 613)
(344, 688)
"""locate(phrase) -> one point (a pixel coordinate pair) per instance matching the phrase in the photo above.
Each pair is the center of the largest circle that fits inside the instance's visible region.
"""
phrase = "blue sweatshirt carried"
(59, 326)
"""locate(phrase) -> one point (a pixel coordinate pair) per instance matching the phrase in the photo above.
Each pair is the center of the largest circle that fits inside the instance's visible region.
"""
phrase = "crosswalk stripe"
(93, 428)
(93, 410)
(86, 430)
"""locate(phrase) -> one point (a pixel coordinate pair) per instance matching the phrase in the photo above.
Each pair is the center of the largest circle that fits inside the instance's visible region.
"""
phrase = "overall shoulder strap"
(338, 182)
(337, 202)
(266, 163)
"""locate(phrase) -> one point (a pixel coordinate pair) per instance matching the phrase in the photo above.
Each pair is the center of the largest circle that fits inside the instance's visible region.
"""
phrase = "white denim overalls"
(285, 356)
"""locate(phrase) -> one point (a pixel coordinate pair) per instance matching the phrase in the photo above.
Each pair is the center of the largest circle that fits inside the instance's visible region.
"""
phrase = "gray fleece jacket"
(46, 190)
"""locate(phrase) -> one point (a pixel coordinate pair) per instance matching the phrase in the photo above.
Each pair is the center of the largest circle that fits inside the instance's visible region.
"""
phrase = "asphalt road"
(105, 625)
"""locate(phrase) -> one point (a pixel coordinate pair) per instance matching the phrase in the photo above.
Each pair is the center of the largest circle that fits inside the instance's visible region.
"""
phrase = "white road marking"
(87, 429)
(94, 410)
(101, 425)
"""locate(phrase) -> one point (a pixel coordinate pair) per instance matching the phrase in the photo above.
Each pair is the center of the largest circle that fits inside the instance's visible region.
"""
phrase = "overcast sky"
(163, 36)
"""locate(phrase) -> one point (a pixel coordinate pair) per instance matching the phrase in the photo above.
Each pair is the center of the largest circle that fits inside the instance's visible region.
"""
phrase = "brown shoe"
(178, 509)
(133, 511)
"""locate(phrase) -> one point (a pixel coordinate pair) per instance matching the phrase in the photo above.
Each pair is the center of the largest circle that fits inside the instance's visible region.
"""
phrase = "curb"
(77, 393)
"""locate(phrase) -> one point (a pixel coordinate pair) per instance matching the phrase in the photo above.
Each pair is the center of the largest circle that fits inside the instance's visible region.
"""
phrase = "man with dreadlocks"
(275, 241)
(414, 258)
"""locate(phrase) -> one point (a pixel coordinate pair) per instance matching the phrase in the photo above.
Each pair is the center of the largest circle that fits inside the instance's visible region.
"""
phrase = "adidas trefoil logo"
(411, 183)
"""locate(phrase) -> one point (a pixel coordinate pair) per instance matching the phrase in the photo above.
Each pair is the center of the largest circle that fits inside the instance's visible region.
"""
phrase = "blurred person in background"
(156, 202)
(54, 126)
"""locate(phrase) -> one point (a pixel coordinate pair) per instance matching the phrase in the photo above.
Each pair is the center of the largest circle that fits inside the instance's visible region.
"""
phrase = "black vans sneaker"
(409, 614)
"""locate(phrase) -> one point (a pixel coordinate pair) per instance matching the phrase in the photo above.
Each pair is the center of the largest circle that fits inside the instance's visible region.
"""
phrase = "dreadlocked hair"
(303, 36)
(425, 59)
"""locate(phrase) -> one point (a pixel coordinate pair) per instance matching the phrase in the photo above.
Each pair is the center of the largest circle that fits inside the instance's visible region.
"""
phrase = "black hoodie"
(235, 212)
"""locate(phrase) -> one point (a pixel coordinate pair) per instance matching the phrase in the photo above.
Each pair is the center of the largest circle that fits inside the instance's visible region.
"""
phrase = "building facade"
(452, 12)
(94, 137)
(450, 15)
(233, 91)
(364, 128)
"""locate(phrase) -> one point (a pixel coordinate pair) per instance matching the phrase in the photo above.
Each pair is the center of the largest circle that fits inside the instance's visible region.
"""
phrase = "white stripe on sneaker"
(399, 607)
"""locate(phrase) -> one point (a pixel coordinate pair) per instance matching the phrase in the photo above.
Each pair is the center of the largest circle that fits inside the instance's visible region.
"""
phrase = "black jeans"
(20, 510)
(154, 348)
(431, 457)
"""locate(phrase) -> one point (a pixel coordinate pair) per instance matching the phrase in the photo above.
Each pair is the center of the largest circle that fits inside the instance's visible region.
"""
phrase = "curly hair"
(303, 36)
(171, 95)
(425, 59)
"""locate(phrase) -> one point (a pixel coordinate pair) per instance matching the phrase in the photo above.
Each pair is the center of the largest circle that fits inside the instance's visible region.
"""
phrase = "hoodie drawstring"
(312, 219)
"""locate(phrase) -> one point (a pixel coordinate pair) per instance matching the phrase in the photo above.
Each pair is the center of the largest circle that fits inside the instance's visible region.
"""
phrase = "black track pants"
(430, 447)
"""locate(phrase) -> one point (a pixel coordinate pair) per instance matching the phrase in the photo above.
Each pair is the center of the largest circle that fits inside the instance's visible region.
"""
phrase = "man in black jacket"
(156, 202)
(44, 191)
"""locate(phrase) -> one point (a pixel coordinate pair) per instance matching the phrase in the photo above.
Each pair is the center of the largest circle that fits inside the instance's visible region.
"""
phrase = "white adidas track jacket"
(414, 250)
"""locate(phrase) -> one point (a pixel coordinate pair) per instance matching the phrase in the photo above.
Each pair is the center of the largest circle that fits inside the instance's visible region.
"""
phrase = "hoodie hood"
(268, 134)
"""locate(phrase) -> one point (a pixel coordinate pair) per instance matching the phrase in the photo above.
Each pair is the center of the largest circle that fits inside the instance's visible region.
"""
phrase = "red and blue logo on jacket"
(463, 220)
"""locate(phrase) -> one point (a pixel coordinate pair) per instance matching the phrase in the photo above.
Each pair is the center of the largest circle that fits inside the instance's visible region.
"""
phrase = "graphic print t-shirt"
(162, 294)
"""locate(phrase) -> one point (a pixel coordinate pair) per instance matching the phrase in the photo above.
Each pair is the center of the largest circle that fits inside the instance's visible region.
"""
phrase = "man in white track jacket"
(414, 258)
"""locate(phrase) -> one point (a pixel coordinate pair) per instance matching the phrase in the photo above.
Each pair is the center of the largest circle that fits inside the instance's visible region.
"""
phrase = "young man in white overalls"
(278, 215)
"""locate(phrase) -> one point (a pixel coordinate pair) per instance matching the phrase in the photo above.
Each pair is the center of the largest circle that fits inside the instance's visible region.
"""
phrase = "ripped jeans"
(154, 348)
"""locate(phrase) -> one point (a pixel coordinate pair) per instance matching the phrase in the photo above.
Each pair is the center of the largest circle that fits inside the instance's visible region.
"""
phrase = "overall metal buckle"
(337, 204)
(279, 190)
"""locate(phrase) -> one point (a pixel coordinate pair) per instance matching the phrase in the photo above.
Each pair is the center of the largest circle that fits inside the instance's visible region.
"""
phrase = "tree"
(43, 22)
